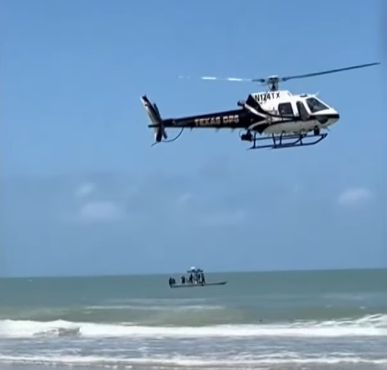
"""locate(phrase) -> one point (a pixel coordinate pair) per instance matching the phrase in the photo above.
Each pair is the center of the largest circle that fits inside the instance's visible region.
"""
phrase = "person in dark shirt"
(171, 281)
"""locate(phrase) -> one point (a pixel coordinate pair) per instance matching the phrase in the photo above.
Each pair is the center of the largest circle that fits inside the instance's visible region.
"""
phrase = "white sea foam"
(375, 325)
(187, 361)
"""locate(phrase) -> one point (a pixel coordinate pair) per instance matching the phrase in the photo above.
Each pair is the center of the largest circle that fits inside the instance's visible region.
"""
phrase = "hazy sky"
(83, 192)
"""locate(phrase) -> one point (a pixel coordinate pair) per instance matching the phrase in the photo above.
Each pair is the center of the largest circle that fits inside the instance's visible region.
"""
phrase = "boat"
(198, 285)
(196, 280)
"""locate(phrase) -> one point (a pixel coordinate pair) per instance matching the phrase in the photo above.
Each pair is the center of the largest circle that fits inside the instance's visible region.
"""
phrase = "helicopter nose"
(328, 118)
(335, 117)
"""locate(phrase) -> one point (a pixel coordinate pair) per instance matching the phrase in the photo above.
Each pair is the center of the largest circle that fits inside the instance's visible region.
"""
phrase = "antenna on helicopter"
(273, 81)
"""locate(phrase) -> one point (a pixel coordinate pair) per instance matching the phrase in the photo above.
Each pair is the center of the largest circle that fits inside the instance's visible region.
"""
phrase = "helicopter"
(274, 115)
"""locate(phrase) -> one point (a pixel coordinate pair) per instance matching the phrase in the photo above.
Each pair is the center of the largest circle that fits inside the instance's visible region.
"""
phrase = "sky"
(82, 190)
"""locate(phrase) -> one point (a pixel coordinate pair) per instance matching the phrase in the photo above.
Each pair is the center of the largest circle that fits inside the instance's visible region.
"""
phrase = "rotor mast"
(273, 83)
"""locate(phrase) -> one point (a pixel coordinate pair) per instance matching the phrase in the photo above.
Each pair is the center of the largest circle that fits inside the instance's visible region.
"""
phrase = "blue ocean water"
(273, 320)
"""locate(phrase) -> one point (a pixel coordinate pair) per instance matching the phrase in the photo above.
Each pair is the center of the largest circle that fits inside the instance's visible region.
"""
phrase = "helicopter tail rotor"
(154, 116)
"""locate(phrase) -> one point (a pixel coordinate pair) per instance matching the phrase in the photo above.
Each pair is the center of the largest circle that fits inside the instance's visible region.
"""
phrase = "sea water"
(266, 320)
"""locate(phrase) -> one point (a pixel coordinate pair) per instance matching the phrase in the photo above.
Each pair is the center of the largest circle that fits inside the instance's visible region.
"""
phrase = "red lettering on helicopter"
(218, 120)
(267, 96)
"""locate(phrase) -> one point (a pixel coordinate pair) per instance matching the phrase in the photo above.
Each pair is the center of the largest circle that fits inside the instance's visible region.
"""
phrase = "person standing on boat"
(171, 281)
(197, 277)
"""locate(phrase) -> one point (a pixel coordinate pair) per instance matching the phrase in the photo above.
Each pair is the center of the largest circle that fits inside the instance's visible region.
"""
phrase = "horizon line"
(112, 275)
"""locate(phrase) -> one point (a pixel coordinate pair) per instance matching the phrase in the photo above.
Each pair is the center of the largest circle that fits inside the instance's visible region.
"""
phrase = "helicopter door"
(285, 109)
(302, 112)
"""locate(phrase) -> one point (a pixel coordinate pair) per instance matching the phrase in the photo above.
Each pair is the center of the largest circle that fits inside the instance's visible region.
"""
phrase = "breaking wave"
(374, 325)
(192, 361)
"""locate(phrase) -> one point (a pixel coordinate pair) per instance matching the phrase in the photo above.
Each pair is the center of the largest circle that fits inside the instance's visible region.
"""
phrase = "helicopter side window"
(285, 109)
(302, 111)
(315, 105)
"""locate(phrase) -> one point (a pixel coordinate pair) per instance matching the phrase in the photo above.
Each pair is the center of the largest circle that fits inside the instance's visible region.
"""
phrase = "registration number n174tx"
(217, 120)
(267, 96)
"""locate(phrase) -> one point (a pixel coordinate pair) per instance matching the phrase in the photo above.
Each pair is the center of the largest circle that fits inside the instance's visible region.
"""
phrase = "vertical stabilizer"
(154, 116)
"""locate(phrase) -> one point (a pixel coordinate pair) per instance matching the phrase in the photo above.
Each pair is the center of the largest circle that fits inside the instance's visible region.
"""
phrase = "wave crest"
(188, 361)
(374, 325)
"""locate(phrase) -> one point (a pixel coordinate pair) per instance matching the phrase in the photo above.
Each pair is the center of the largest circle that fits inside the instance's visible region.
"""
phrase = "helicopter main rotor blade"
(328, 71)
(274, 79)
(231, 79)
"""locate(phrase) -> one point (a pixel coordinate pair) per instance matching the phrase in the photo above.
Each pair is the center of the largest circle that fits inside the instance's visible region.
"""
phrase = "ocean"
(264, 320)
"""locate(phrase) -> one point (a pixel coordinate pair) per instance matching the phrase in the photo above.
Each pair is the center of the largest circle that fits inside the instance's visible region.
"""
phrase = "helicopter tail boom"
(155, 117)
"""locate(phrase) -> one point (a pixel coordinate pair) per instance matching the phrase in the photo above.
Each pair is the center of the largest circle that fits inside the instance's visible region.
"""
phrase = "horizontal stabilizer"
(154, 116)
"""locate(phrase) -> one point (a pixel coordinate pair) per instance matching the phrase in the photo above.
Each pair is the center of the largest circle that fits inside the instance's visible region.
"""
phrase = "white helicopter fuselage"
(304, 112)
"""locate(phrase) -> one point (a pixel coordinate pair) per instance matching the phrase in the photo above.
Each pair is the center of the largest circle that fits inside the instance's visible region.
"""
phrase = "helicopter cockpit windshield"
(315, 105)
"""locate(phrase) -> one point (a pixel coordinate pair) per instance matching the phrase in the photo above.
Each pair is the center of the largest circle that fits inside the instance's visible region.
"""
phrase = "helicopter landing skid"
(283, 141)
